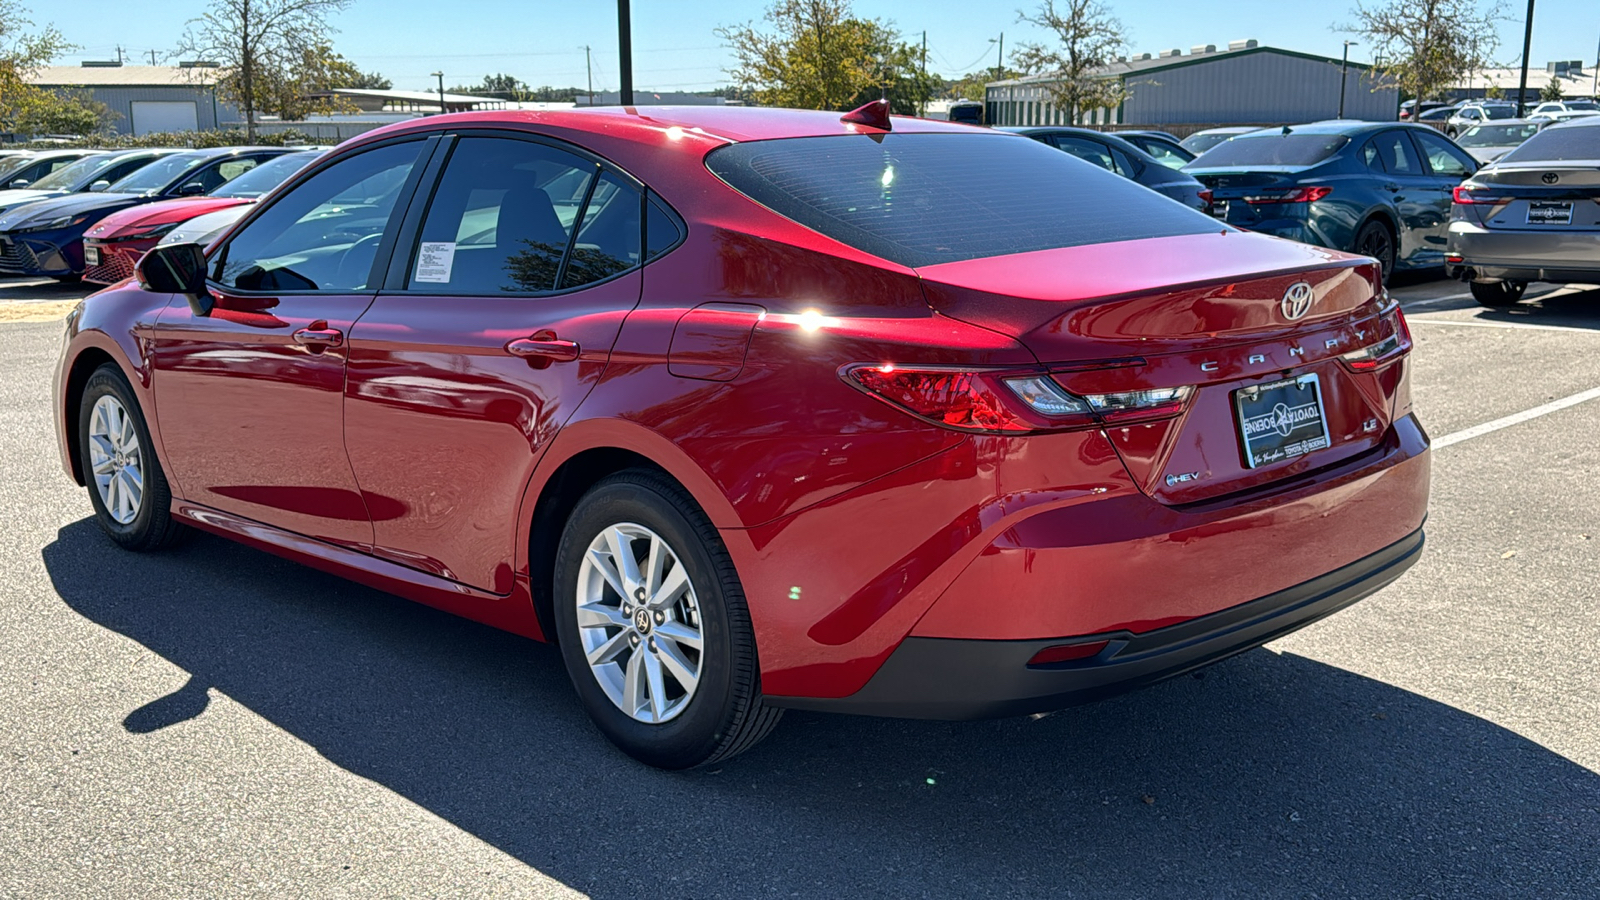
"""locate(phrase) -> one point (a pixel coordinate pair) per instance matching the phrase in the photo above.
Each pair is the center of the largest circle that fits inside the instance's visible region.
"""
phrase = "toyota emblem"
(1297, 301)
(1550, 178)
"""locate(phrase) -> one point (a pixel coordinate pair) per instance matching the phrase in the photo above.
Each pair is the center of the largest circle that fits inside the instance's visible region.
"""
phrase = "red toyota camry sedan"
(754, 409)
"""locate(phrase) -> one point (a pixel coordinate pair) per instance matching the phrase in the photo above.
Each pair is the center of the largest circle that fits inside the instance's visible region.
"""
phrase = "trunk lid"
(1551, 197)
(1229, 188)
(1205, 312)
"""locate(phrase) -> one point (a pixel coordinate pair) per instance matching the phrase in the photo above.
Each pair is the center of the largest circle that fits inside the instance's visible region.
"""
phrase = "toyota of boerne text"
(755, 409)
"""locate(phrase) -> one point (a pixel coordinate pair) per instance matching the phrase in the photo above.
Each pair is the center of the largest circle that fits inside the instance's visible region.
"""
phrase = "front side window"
(158, 174)
(503, 219)
(323, 235)
(1088, 151)
(1443, 159)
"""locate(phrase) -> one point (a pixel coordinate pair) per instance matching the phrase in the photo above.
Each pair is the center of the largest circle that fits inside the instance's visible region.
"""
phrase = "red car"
(754, 409)
(114, 245)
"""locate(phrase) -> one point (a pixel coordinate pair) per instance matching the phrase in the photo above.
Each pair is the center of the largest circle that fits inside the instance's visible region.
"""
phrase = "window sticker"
(434, 260)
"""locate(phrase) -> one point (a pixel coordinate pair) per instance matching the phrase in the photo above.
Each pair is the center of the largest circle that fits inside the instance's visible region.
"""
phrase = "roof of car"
(1579, 122)
(647, 123)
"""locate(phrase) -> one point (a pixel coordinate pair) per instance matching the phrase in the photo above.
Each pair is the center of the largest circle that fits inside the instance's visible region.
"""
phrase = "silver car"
(1492, 140)
(1532, 216)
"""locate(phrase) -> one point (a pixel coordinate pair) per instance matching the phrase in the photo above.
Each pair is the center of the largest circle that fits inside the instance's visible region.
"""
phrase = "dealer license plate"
(91, 256)
(1281, 420)
(1550, 212)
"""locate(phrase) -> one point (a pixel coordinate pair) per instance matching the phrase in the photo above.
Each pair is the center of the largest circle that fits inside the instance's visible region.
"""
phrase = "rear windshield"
(1497, 135)
(1272, 149)
(1559, 142)
(1583, 104)
(925, 199)
(1499, 112)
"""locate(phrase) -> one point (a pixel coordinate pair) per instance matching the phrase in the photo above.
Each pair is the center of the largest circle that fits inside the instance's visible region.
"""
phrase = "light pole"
(999, 56)
(1344, 65)
(440, 76)
(625, 52)
(1527, 45)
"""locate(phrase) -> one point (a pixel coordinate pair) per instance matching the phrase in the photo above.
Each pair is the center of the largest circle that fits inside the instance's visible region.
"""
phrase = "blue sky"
(674, 47)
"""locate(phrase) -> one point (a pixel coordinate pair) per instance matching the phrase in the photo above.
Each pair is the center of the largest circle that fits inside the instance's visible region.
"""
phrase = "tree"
(1090, 39)
(62, 112)
(818, 55)
(501, 86)
(22, 53)
(1426, 46)
(1494, 92)
(971, 86)
(260, 46)
(1552, 91)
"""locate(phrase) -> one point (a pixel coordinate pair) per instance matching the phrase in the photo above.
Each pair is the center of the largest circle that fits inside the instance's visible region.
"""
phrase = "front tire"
(1374, 239)
(1498, 294)
(129, 492)
(653, 625)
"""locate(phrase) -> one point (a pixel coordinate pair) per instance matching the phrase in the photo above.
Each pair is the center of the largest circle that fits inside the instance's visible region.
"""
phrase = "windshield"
(1272, 149)
(926, 199)
(1583, 104)
(1558, 143)
(1497, 135)
(157, 175)
(11, 164)
(70, 177)
(1499, 112)
(263, 178)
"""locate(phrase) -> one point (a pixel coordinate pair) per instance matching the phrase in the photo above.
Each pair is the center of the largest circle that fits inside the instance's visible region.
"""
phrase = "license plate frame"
(91, 255)
(1552, 212)
(1262, 434)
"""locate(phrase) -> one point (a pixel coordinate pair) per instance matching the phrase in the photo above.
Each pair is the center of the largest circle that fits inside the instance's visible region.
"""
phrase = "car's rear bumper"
(947, 678)
(1522, 255)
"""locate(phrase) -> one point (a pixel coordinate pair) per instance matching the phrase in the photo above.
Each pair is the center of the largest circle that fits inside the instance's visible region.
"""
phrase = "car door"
(250, 397)
(493, 325)
(1409, 189)
(1447, 166)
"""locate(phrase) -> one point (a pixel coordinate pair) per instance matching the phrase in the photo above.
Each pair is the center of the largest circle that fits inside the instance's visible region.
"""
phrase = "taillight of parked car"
(996, 402)
(1393, 343)
(1306, 194)
(1476, 194)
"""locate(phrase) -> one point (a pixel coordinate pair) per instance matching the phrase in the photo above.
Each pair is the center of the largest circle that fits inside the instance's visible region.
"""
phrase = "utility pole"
(588, 68)
(1527, 46)
(1000, 58)
(625, 52)
(922, 94)
(440, 76)
(119, 54)
(152, 57)
(1344, 65)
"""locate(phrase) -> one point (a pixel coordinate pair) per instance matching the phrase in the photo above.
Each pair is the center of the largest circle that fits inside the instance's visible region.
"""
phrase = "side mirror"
(100, 185)
(21, 183)
(191, 189)
(178, 269)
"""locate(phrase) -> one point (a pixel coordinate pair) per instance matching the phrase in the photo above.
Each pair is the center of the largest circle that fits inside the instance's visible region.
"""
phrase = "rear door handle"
(1391, 187)
(544, 345)
(318, 338)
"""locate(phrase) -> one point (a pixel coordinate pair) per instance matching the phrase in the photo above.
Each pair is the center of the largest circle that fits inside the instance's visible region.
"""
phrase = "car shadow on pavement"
(1269, 775)
(1579, 309)
(45, 290)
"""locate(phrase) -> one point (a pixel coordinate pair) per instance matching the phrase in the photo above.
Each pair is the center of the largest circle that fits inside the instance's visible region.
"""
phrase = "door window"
(504, 216)
(323, 235)
(661, 230)
(1396, 154)
(213, 177)
(1445, 161)
(1165, 155)
(1088, 151)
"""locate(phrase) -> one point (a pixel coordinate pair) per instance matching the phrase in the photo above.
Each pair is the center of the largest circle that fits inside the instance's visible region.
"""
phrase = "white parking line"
(1516, 418)
(1475, 323)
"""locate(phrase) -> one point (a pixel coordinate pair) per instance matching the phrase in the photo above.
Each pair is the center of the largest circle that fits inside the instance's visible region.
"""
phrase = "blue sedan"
(45, 237)
(1381, 189)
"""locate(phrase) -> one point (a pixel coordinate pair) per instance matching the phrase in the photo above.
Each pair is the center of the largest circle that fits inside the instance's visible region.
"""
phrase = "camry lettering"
(1258, 357)
(1297, 351)
(1210, 366)
(1331, 343)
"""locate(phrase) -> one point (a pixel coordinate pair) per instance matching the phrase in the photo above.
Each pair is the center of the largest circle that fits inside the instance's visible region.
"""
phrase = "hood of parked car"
(147, 217)
(71, 206)
(14, 198)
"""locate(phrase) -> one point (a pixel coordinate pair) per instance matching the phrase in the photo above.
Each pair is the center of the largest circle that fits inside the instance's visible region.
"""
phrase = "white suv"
(1478, 113)
(1552, 107)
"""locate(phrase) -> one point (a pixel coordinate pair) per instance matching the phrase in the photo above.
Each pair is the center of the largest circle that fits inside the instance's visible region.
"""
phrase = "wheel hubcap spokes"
(114, 457)
(639, 622)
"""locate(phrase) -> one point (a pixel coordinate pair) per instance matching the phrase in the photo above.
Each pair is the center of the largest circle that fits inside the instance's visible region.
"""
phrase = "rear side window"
(926, 199)
(1089, 151)
(1396, 155)
(1273, 149)
(1559, 143)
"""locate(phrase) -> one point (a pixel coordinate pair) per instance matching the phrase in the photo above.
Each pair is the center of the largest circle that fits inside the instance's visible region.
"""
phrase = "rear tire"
(1498, 294)
(655, 694)
(129, 492)
(1375, 240)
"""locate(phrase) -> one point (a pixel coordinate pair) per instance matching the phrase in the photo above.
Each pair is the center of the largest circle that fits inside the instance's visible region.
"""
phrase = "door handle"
(319, 338)
(544, 345)
(1391, 187)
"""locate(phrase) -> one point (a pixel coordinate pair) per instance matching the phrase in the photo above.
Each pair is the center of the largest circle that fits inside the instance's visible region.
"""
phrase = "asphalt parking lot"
(218, 722)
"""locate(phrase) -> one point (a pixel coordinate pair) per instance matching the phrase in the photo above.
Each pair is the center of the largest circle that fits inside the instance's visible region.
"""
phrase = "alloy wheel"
(639, 623)
(115, 456)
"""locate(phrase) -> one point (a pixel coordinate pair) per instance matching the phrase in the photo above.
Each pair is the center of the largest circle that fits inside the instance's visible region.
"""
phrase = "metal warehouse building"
(147, 98)
(1246, 84)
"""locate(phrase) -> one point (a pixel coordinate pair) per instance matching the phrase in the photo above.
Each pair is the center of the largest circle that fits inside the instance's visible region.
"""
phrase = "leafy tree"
(1552, 91)
(971, 86)
(259, 45)
(1427, 45)
(501, 86)
(1494, 92)
(63, 112)
(817, 55)
(23, 52)
(1089, 39)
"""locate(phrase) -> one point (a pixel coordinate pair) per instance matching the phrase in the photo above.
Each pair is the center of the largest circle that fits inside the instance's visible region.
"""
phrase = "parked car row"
(1533, 215)
(55, 198)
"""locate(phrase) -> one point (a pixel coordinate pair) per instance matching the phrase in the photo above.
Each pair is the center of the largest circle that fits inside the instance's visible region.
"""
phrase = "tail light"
(1205, 195)
(1393, 346)
(1475, 194)
(1298, 195)
(996, 402)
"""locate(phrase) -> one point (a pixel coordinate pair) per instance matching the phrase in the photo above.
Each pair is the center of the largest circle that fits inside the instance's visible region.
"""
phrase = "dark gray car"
(1117, 155)
(1532, 216)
